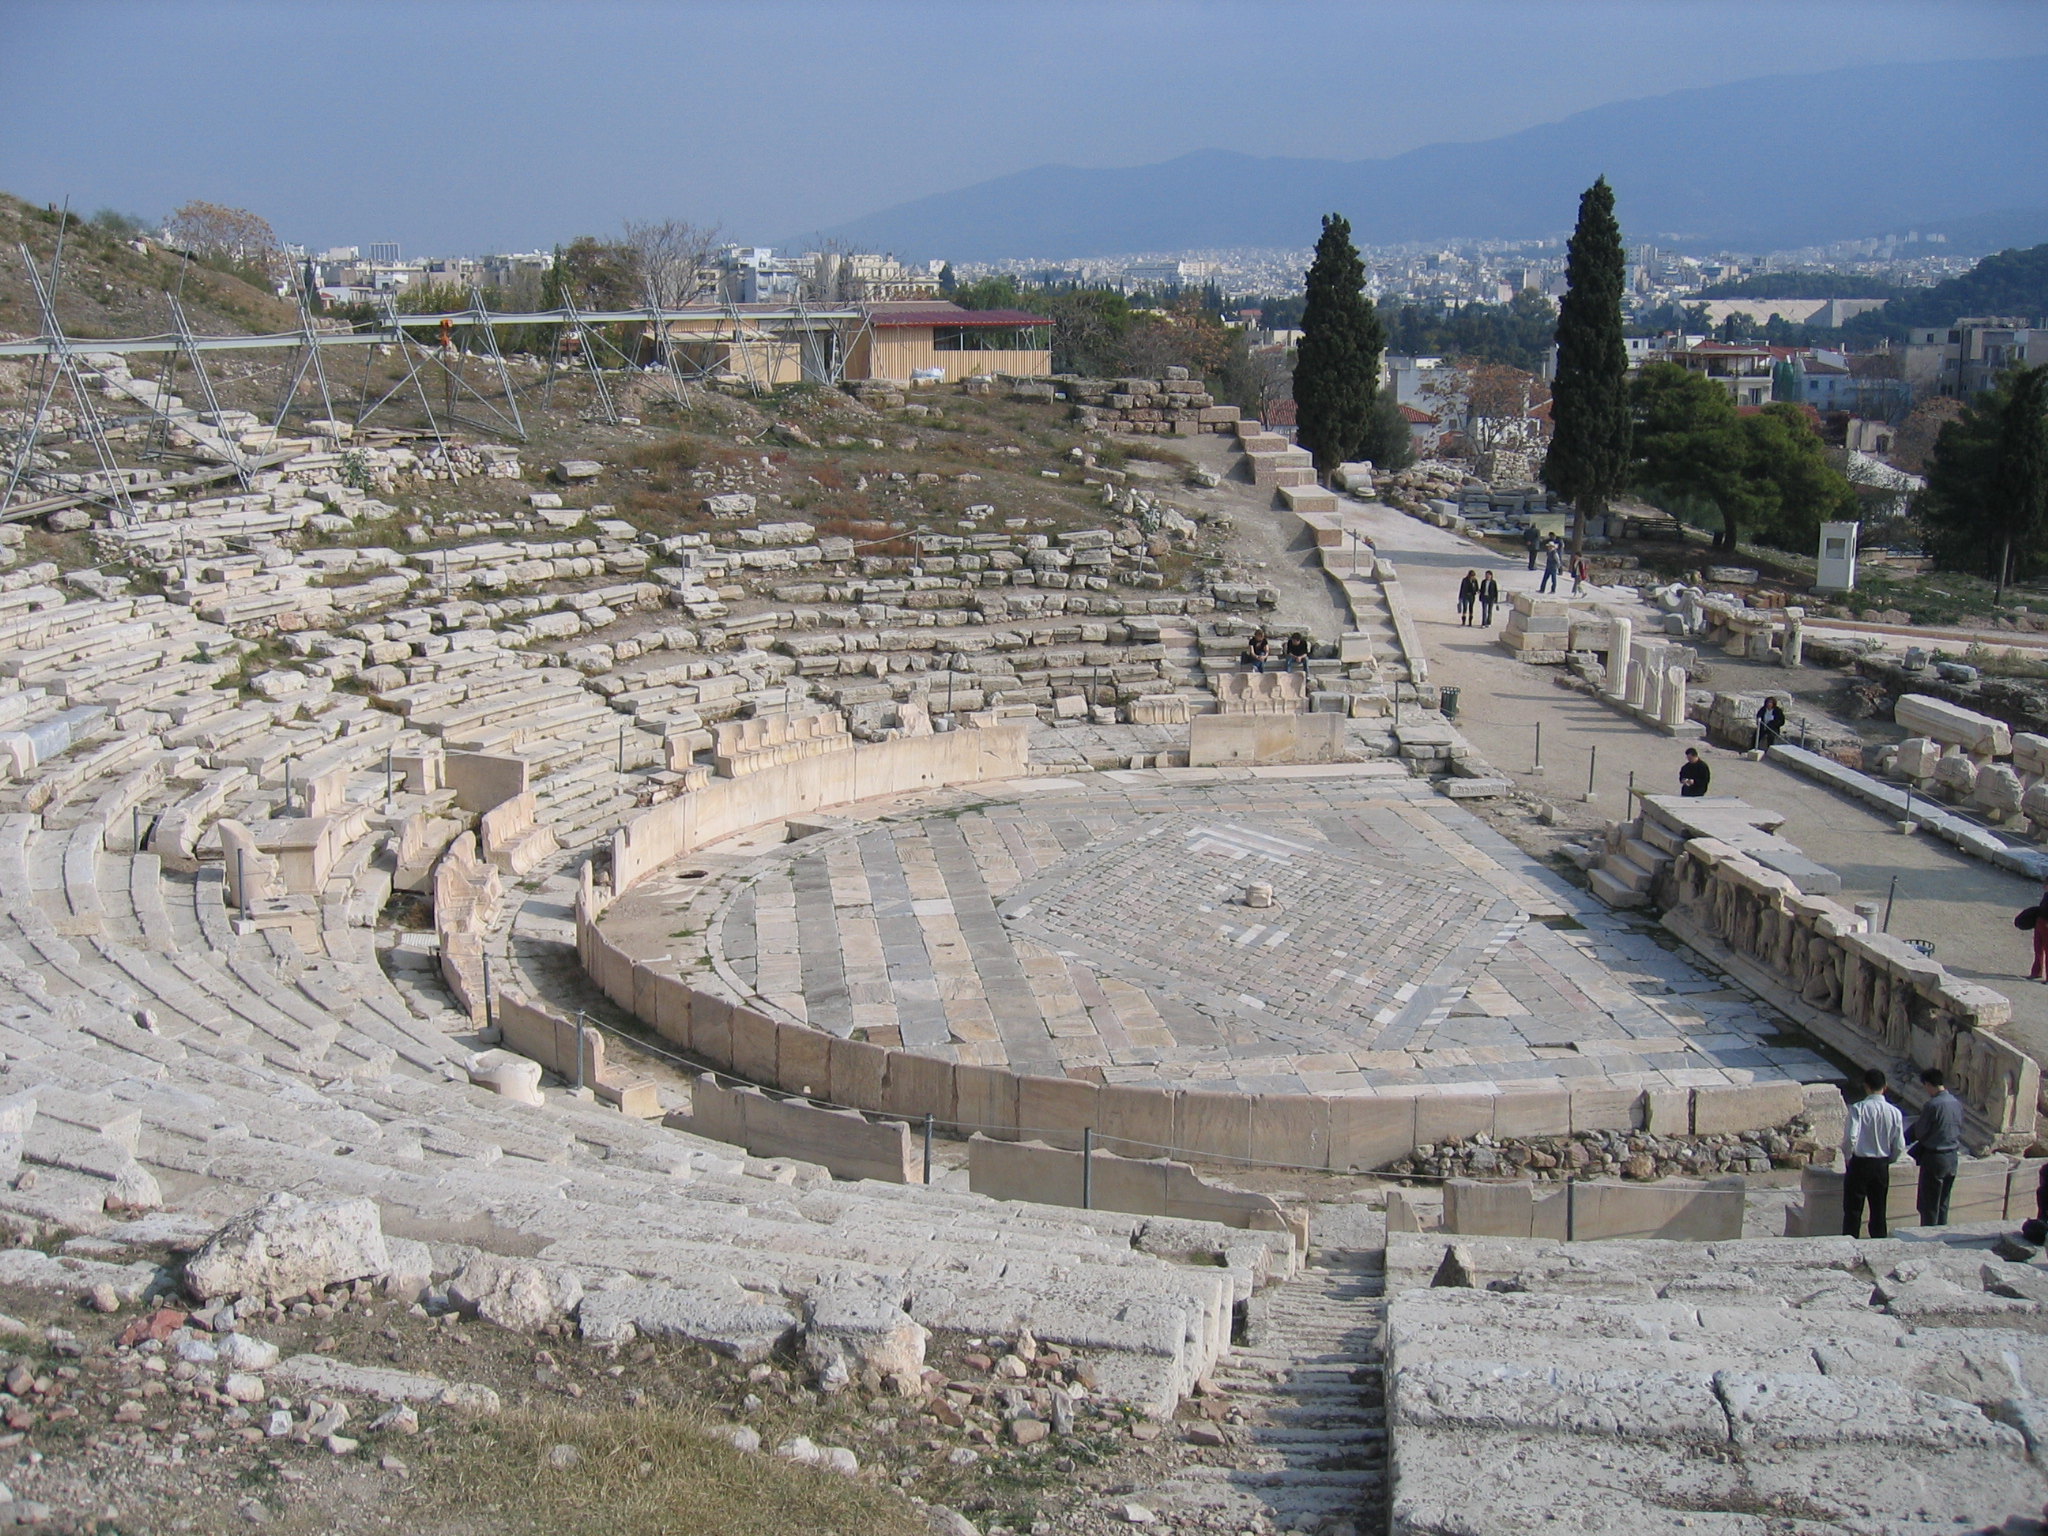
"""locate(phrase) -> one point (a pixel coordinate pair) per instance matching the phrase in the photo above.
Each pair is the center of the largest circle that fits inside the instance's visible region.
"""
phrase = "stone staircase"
(1270, 460)
(1310, 1450)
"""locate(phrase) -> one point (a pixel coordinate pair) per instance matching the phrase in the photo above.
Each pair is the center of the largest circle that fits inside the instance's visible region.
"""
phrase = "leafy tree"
(1764, 474)
(1985, 507)
(948, 283)
(1792, 488)
(1589, 450)
(999, 291)
(122, 226)
(597, 274)
(1388, 442)
(1088, 330)
(233, 239)
(1784, 381)
(1516, 334)
(1337, 366)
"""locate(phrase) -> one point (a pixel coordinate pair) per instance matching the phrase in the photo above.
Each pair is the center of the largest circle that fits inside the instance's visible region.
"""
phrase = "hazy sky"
(469, 125)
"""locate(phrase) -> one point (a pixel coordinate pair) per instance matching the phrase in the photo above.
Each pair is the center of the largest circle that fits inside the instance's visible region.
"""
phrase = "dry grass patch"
(633, 1472)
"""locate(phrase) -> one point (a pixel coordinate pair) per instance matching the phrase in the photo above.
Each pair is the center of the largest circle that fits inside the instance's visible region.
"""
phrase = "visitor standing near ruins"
(1694, 775)
(1937, 1146)
(1552, 560)
(1296, 654)
(1873, 1139)
(1534, 539)
(2040, 926)
(1255, 649)
(1581, 569)
(1770, 724)
(1489, 598)
(1468, 596)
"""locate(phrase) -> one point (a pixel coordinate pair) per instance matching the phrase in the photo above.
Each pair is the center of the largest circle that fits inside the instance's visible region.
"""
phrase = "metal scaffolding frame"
(724, 340)
(59, 365)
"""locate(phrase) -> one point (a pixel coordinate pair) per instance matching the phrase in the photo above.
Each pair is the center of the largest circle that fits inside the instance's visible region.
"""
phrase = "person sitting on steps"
(1256, 648)
(1296, 654)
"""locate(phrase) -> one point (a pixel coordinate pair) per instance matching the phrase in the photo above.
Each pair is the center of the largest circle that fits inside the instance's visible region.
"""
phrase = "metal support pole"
(1630, 808)
(927, 1147)
(135, 828)
(1889, 897)
(1592, 767)
(622, 747)
(242, 879)
(288, 786)
(387, 778)
(1088, 1168)
(490, 1021)
(579, 1050)
(1537, 765)
(1907, 821)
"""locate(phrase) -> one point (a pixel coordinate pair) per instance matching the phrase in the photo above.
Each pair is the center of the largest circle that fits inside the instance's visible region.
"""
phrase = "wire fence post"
(1629, 809)
(135, 828)
(489, 1021)
(387, 778)
(1537, 765)
(242, 879)
(1088, 1168)
(927, 1147)
(1889, 897)
(622, 746)
(579, 1050)
(288, 786)
(1592, 767)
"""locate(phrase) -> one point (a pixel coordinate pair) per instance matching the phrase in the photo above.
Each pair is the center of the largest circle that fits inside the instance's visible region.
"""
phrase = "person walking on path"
(1468, 595)
(1489, 596)
(1550, 568)
(1296, 653)
(2040, 970)
(1581, 569)
(1937, 1146)
(1770, 724)
(1873, 1139)
(1694, 775)
(1534, 539)
(1256, 649)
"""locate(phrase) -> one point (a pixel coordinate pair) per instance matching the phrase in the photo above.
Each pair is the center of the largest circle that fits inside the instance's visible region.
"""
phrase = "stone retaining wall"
(1152, 1186)
(1297, 1130)
(1872, 997)
(850, 1145)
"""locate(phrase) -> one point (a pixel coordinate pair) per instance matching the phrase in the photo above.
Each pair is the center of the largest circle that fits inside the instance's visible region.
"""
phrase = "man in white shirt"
(1873, 1139)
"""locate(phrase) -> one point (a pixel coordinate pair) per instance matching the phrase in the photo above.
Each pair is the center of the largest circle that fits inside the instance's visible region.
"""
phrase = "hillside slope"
(109, 289)
(1758, 164)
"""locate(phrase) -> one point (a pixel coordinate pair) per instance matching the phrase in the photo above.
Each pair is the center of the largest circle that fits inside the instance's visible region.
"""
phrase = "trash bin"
(1448, 701)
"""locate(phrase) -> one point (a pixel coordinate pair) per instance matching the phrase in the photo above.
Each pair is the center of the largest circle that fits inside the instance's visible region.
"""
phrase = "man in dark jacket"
(1936, 1143)
(1694, 775)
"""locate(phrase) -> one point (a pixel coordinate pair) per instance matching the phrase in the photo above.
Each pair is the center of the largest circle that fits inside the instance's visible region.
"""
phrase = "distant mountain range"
(1761, 164)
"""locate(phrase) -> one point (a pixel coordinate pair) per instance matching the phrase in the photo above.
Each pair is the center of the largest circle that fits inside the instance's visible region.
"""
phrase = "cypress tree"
(1337, 365)
(1589, 448)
